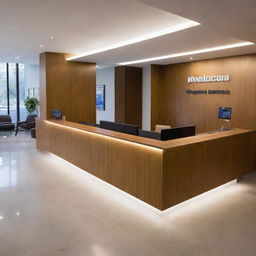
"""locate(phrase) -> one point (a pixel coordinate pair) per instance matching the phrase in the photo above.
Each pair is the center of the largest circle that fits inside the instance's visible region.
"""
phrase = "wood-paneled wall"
(128, 95)
(68, 86)
(171, 105)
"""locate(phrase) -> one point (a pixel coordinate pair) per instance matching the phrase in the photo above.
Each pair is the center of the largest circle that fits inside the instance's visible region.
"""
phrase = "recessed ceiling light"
(41, 46)
(175, 55)
(52, 37)
(155, 34)
(1, 217)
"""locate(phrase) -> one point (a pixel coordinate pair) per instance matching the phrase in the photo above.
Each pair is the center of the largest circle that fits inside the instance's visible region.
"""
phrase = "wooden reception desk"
(160, 173)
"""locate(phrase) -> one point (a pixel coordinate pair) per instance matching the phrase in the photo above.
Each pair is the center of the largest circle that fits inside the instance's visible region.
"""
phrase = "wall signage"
(206, 79)
(208, 91)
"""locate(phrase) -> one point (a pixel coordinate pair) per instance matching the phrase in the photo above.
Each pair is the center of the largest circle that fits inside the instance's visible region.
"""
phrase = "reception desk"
(160, 173)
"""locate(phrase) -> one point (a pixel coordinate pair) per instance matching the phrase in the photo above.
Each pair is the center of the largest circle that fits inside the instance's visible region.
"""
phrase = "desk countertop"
(151, 142)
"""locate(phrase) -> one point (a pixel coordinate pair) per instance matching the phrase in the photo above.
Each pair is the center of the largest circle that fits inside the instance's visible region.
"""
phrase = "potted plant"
(31, 105)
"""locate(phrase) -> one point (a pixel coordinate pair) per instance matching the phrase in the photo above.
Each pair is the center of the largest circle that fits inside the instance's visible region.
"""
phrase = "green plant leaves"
(31, 104)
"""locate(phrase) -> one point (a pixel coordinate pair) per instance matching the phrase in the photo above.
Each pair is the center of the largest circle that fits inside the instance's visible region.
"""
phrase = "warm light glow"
(105, 136)
(175, 55)
(109, 186)
(141, 203)
(199, 197)
(155, 34)
(1, 217)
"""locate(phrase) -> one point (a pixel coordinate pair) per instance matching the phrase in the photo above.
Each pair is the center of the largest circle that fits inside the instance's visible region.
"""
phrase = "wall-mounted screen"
(100, 97)
(225, 113)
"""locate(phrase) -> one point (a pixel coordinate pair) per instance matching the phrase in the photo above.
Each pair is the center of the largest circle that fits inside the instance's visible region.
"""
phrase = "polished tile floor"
(49, 208)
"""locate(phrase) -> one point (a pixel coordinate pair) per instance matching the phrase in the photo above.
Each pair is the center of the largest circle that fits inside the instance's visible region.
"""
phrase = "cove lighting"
(218, 48)
(155, 34)
(204, 196)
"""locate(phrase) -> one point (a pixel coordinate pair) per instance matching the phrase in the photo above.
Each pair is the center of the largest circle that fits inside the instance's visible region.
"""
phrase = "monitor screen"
(225, 112)
(56, 114)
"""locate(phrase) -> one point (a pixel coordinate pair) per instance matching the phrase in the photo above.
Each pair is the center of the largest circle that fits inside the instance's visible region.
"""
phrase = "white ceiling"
(83, 25)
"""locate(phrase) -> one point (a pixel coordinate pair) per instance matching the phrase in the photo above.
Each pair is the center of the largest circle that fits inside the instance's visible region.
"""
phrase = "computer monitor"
(119, 127)
(225, 113)
(57, 114)
(178, 132)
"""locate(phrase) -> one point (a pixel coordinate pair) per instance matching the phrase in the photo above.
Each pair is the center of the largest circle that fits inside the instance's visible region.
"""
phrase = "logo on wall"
(208, 79)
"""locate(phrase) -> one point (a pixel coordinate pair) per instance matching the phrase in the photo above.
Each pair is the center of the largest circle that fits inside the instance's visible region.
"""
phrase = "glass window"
(12, 91)
(22, 92)
(3, 89)
(28, 81)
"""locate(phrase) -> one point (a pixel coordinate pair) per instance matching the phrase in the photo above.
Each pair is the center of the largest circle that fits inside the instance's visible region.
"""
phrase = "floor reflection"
(8, 170)
(4, 134)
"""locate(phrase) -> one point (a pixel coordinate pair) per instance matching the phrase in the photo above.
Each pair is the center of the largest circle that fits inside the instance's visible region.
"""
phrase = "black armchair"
(26, 125)
(6, 123)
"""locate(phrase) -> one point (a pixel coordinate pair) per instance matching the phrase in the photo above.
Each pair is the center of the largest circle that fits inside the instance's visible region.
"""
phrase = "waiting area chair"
(26, 125)
(6, 123)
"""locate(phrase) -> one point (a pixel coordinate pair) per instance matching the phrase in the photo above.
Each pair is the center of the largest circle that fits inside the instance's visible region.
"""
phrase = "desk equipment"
(119, 127)
(57, 114)
(225, 114)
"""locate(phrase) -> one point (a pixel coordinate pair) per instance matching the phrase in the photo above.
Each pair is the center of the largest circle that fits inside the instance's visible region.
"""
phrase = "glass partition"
(22, 92)
(17, 81)
(13, 92)
(3, 89)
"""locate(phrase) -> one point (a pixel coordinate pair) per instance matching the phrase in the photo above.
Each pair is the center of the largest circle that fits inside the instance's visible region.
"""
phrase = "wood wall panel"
(172, 106)
(120, 94)
(42, 86)
(69, 86)
(157, 81)
(128, 95)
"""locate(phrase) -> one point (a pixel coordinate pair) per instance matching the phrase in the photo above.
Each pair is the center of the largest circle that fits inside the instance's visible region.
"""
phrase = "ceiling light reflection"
(175, 55)
(155, 34)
